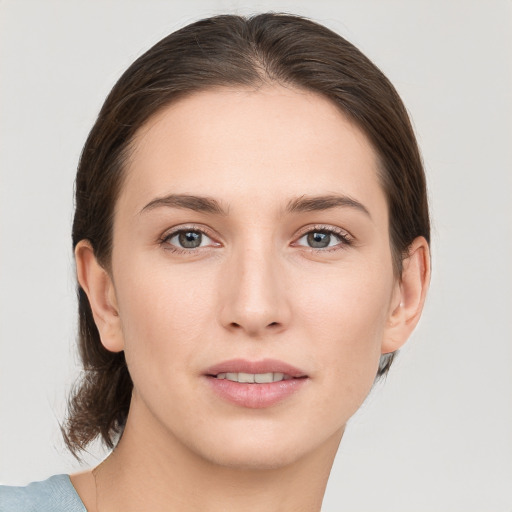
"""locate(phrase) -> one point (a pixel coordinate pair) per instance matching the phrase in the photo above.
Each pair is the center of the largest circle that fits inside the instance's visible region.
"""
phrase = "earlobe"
(409, 296)
(99, 287)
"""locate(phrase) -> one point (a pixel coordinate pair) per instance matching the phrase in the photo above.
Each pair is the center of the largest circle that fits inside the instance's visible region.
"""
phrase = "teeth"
(264, 378)
(246, 377)
(259, 378)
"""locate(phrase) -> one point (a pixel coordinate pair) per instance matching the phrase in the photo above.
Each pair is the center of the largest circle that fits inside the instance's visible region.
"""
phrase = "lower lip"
(255, 396)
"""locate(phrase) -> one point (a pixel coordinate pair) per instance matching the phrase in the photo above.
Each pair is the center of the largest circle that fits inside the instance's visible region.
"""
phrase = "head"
(220, 76)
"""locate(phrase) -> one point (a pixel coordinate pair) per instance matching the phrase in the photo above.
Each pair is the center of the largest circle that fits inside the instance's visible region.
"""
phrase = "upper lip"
(263, 366)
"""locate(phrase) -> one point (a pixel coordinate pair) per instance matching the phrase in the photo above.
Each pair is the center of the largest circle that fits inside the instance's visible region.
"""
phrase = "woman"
(252, 247)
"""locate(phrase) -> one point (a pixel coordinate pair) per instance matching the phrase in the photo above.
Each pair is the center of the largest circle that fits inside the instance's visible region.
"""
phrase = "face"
(252, 274)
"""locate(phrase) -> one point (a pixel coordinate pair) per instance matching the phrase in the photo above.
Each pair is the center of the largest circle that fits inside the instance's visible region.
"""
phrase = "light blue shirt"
(56, 494)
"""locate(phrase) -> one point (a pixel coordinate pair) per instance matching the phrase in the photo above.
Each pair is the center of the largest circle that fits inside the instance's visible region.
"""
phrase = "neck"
(157, 473)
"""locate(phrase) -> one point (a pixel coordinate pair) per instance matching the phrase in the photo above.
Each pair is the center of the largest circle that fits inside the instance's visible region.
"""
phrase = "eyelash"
(345, 238)
(179, 250)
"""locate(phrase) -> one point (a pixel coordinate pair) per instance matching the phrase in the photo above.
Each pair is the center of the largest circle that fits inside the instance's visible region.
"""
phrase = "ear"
(99, 287)
(408, 296)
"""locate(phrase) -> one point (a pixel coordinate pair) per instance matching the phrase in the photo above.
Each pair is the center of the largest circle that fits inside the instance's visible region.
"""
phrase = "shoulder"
(55, 494)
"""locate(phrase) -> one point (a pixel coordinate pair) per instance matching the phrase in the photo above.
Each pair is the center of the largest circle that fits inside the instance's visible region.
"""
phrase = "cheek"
(345, 314)
(163, 313)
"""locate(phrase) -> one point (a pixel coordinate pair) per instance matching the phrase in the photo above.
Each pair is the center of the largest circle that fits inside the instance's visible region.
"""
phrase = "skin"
(254, 289)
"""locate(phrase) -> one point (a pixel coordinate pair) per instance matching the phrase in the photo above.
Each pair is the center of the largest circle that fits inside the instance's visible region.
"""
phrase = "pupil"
(190, 239)
(319, 240)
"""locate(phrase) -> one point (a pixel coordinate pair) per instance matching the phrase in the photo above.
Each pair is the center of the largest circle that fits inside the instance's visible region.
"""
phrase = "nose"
(253, 293)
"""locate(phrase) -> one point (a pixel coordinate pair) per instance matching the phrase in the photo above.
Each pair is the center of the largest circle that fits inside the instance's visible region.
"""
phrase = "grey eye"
(321, 239)
(318, 239)
(188, 239)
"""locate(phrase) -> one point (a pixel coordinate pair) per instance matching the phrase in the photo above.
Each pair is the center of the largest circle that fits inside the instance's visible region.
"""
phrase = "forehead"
(268, 143)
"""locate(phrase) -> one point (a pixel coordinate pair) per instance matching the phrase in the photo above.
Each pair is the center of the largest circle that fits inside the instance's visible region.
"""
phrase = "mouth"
(255, 384)
(255, 372)
(254, 378)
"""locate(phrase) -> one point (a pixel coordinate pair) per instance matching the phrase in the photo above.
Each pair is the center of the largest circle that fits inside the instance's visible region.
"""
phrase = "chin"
(266, 450)
(254, 459)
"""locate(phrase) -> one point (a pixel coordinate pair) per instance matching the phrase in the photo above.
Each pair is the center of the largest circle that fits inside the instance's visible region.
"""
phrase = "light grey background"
(437, 436)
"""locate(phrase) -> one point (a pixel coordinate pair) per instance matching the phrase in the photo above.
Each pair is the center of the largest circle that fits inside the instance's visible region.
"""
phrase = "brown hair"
(227, 51)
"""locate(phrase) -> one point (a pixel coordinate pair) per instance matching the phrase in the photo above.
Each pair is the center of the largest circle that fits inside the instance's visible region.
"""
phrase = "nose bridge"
(254, 296)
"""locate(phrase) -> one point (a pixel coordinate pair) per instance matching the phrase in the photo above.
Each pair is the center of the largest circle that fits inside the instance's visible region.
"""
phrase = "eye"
(183, 239)
(324, 238)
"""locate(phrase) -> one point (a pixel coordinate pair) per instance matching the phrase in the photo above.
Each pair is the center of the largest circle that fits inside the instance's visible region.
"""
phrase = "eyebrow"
(298, 205)
(327, 202)
(197, 203)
